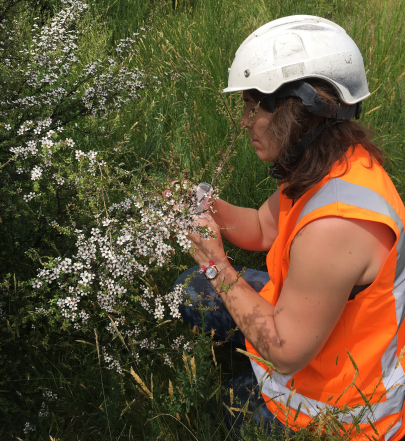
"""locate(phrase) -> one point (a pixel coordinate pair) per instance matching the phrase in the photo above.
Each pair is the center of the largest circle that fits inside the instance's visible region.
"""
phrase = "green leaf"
(352, 360)
(372, 426)
(298, 411)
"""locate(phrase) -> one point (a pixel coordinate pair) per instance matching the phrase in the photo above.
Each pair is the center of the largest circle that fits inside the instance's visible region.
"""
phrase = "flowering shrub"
(88, 233)
(111, 259)
(52, 58)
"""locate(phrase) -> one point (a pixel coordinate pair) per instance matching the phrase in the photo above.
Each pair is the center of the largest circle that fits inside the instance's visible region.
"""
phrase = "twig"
(3, 165)
(224, 158)
(102, 192)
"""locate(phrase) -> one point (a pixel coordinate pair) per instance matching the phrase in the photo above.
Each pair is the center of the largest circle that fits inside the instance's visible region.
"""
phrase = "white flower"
(80, 155)
(176, 342)
(92, 155)
(29, 428)
(59, 180)
(159, 311)
(167, 360)
(188, 346)
(36, 173)
(77, 267)
(29, 196)
(86, 278)
(36, 284)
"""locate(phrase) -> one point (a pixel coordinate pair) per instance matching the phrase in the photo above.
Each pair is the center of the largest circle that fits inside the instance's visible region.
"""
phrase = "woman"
(334, 229)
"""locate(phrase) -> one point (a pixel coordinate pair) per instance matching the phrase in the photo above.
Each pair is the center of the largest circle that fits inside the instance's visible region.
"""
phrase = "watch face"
(211, 272)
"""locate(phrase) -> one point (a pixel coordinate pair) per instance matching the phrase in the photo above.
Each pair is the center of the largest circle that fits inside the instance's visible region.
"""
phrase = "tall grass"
(187, 115)
(185, 119)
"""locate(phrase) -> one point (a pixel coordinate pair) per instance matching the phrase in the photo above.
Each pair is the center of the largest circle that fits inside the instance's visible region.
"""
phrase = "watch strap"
(222, 265)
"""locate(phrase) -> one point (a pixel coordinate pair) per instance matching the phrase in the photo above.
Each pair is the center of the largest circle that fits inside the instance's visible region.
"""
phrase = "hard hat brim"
(295, 48)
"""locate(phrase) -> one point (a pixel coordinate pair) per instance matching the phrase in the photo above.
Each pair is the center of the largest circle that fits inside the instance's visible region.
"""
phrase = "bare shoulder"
(356, 247)
(341, 231)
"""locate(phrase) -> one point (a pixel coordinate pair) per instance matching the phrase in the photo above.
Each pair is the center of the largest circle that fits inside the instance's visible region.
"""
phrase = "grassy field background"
(187, 114)
(182, 125)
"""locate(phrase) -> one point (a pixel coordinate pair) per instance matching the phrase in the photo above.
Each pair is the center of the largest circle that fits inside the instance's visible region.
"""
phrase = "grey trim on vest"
(393, 430)
(273, 389)
(335, 191)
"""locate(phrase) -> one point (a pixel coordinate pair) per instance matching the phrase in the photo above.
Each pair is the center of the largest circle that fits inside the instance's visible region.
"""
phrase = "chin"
(265, 157)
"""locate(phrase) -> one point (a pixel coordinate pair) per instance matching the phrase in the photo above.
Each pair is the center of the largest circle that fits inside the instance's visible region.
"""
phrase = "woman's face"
(257, 120)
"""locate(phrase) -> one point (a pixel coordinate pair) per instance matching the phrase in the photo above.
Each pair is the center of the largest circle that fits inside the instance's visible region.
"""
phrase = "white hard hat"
(298, 47)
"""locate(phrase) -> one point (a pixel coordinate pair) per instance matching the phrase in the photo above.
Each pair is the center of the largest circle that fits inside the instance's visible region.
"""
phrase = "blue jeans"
(244, 385)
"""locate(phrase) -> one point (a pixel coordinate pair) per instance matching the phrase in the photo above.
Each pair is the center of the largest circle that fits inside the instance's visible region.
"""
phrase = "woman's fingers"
(206, 249)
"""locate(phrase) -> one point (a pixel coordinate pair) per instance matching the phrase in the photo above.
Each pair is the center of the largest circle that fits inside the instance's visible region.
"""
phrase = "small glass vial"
(203, 196)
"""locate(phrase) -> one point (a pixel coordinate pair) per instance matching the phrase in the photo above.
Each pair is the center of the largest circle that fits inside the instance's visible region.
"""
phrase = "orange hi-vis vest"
(371, 327)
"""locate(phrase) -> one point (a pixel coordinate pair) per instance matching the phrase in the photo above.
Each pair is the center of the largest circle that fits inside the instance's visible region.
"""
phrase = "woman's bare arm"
(247, 228)
(327, 258)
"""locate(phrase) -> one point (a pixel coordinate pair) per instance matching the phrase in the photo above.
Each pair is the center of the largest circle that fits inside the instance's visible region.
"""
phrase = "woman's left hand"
(207, 249)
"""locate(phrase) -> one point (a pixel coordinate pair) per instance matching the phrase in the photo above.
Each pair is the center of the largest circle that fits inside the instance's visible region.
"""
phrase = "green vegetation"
(188, 114)
(177, 128)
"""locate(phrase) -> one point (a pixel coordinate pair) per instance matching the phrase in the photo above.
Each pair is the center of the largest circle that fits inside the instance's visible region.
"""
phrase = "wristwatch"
(212, 271)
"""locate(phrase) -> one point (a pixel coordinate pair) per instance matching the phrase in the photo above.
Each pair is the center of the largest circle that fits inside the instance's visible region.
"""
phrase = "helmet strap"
(313, 102)
(277, 171)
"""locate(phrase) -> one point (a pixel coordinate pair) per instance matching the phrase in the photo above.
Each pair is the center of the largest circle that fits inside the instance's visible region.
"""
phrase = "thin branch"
(225, 158)
(102, 383)
(3, 165)
(102, 191)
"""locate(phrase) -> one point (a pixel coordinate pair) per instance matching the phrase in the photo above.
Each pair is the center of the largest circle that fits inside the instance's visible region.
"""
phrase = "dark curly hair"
(291, 121)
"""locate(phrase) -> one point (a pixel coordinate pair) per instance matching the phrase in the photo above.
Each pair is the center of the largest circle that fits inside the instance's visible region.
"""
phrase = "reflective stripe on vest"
(274, 385)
